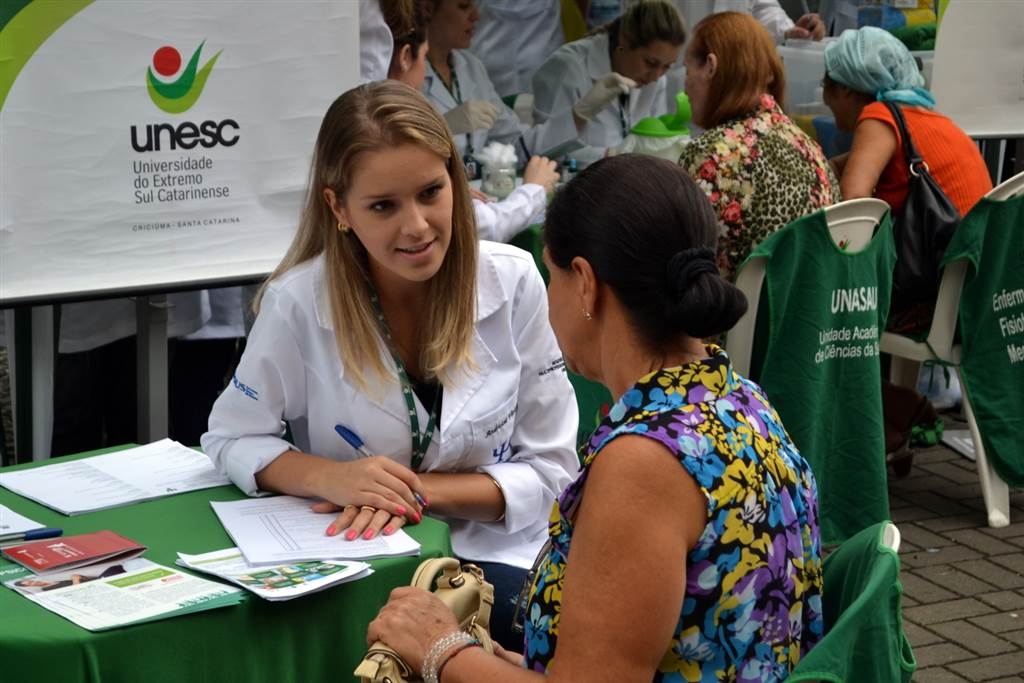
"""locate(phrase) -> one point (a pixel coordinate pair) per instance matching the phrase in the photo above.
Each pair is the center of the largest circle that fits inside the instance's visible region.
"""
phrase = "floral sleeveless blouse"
(753, 582)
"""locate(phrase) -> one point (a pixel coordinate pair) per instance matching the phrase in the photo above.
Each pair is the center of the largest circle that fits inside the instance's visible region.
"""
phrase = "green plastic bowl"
(667, 125)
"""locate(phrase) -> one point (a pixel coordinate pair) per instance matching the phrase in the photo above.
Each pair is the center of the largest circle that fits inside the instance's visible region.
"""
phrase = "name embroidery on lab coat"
(245, 388)
(553, 366)
(503, 452)
(504, 421)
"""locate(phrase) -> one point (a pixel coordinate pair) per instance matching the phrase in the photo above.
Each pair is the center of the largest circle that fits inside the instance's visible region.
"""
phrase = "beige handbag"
(463, 589)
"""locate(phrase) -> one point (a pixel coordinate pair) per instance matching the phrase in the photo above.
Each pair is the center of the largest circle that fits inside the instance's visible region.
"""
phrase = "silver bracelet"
(504, 503)
(443, 648)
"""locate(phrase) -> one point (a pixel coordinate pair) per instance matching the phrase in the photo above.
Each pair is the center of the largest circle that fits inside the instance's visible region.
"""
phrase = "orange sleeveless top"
(953, 158)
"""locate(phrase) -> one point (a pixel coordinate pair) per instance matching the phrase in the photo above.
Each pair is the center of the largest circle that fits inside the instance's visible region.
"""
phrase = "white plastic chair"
(851, 223)
(908, 354)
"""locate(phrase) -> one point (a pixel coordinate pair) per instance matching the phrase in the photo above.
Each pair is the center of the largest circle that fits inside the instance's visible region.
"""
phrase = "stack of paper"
(282, 582)
(284, 529)
(162, 468)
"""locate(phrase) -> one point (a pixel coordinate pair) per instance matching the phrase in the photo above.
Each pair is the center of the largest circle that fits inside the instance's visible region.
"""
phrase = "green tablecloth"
(318, 637)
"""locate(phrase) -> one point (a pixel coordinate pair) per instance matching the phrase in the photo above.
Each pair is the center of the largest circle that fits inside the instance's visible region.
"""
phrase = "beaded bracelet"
(451, 656)
(443, 649)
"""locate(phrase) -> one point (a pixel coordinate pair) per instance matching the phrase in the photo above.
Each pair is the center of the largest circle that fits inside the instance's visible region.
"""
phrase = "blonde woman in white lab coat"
(386, 318)
(613, 77)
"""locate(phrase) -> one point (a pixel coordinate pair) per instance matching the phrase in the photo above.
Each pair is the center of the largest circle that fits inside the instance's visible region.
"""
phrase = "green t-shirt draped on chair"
(991, 237)
(826, 310)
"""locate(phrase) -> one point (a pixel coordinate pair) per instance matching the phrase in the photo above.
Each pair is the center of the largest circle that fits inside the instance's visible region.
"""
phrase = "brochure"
(284, 529)
(69, 552)
(281, 582)
(114, 594)
(159, 469)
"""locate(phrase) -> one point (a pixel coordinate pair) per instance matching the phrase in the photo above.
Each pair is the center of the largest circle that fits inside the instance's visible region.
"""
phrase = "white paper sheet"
(280, 582)
(162, 468)
(11, 523)
(284, 529)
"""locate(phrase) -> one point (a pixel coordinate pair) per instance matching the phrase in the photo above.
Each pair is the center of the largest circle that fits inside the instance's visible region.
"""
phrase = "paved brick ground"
(963, 602)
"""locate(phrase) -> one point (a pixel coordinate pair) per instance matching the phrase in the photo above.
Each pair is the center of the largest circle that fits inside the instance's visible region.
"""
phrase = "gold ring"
(367, 507)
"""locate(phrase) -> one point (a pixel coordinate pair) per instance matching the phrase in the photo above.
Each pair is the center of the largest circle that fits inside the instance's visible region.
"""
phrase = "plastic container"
(661, 136)
(498, 181)
(804, 64)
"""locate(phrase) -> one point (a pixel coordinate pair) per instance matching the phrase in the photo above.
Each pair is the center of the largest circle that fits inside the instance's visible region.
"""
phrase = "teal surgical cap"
(871, 60)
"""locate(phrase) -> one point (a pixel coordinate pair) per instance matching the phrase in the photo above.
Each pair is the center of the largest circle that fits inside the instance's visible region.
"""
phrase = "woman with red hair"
(760, 170)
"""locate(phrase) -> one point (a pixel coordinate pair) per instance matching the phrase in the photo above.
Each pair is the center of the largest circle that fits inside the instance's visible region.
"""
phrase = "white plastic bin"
(804, 64)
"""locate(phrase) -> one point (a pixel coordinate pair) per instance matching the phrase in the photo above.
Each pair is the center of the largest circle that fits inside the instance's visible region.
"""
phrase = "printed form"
(284, 528)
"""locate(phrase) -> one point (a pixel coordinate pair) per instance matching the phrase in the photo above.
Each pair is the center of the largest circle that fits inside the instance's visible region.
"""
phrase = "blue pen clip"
(352, 439)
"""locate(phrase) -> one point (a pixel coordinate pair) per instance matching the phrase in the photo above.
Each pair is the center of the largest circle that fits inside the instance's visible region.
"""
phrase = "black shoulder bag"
(922, 232)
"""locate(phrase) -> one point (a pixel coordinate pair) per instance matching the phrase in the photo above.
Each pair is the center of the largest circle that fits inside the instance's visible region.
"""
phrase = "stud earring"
(586, 314)
(342, 228)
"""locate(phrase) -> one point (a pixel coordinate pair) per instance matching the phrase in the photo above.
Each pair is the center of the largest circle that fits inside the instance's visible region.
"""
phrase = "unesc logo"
(178, 95)
(175, 97)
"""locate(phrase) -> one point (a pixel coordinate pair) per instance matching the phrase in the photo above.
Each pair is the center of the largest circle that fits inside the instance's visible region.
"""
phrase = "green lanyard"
(456, 92)
(420, 441)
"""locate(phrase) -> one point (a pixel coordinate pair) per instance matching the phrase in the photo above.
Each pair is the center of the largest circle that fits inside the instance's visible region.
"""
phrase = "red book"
(69, 552)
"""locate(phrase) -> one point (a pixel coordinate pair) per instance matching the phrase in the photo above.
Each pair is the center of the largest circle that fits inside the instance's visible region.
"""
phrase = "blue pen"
(353, 440)
(33, 535)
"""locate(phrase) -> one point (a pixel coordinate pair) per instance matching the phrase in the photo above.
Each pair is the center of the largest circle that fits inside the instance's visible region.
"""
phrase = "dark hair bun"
(650, 234)
(686, 266)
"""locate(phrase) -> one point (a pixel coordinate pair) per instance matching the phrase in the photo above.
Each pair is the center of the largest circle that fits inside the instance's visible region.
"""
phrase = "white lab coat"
(474, 84)
(512, 416)
(375, 42)
(768, 12)
(227, 311)
(500, 221)
(570, 73)
(91, 324)
(513, 38)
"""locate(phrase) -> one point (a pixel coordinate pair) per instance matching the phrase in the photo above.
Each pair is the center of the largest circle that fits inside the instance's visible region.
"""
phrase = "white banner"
(150, 144)
(978, 74)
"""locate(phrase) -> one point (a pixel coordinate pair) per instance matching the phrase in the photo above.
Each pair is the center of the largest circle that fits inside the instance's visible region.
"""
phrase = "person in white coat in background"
(375, 41)
(95, 402)
(458, 86)
(769, 13)
(501, 220)
(613, 77)
(513, 38)
(388, 318)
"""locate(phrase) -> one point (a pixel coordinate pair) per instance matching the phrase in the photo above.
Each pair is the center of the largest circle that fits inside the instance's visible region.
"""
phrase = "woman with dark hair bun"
(687, 549)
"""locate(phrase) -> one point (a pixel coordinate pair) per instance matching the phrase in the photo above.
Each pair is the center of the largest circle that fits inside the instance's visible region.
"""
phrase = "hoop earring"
(342, 228)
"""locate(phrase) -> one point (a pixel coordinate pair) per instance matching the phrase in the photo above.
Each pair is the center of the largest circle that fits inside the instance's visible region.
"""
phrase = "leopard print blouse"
(761, 172)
